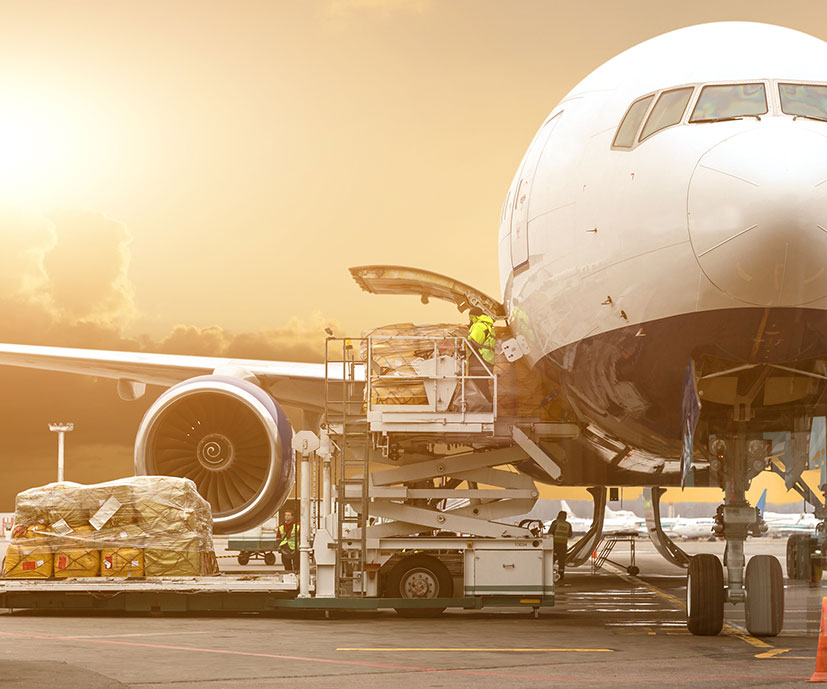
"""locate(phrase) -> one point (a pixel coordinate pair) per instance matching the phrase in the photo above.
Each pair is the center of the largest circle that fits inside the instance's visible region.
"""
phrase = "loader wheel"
(764, 605)
(705, 595)
(419, 576)
(269, 559)
(243, 557)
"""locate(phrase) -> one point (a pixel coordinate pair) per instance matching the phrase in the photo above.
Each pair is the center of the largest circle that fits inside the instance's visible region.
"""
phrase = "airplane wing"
(292, 383)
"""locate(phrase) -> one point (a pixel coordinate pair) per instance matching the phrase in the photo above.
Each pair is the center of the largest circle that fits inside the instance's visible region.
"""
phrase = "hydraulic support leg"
(663, 544)
(582, 550)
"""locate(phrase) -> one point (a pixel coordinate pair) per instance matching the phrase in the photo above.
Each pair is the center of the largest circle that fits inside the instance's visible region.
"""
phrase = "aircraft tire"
(798, 557)
(705, 595)
(419, 576)
(764, 605)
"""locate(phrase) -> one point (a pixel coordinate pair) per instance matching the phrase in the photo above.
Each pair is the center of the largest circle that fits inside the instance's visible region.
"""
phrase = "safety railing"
(428, 374)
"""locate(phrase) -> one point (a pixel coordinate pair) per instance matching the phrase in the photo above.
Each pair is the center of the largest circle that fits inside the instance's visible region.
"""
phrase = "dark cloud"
(64, 282)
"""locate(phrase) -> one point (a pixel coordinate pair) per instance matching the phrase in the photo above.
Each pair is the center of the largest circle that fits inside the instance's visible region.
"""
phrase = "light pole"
(61, 429)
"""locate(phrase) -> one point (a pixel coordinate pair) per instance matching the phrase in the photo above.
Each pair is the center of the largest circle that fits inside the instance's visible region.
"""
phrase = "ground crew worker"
(482, 338)
(288, 538)
(561, 530)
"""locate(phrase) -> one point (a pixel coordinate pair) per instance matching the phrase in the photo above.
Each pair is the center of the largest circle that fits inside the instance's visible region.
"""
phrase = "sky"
(196, 177)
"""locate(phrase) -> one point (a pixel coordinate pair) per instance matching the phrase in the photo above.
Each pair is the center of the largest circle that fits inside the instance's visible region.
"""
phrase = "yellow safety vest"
(561, 531)
(291, 540)
(481, 333)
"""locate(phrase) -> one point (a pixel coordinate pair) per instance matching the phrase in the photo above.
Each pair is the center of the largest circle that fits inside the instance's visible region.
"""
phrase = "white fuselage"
(698, 221)
(651, 205)
(689, 528)
(781, 524)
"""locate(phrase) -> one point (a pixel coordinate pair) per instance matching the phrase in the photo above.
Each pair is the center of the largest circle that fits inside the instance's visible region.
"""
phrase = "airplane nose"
(757, 215)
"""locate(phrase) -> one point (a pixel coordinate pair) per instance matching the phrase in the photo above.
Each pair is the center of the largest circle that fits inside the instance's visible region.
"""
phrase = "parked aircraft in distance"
(781, 524)
(613, 521)
(689, 528)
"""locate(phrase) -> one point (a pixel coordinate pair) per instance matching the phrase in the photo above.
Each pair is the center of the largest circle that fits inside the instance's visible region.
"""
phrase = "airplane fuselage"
(624, 259)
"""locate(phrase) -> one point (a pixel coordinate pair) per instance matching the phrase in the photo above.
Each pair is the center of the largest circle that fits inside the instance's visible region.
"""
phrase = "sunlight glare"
(47, 149)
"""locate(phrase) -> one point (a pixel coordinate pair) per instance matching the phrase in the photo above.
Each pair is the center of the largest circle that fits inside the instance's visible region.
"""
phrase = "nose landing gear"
(761, 587)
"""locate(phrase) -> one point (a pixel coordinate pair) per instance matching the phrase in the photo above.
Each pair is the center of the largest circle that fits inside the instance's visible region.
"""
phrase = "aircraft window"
(729, 102)
(804, 100)
(625, 136)
(667, 111)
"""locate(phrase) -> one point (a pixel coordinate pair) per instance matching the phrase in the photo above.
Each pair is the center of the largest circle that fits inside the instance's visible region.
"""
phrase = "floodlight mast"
(61, 429)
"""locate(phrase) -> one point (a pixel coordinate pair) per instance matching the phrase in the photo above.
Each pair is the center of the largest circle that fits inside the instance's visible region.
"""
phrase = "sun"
(49, 147)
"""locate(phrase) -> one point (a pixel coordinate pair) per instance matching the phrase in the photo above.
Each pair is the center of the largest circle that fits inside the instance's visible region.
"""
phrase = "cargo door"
(425, 285)
(519, 216)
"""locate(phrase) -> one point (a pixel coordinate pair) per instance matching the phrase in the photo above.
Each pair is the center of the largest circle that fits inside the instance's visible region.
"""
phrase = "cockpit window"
(667, 111)
(730, 102)
(804, 100)
(625, 136)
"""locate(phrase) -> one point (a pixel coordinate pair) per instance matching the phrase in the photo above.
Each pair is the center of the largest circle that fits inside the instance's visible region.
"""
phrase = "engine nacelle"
(231, 438)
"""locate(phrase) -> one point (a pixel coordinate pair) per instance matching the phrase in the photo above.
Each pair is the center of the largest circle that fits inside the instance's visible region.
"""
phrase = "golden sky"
(197, 176)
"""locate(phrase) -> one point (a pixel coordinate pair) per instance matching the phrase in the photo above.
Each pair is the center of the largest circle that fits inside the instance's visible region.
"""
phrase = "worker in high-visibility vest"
(287, 536)
(560, 529)
(482, 338)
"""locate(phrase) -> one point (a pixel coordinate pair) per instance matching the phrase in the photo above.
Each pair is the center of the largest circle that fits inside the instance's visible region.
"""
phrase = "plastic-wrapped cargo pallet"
(144, 526)
(29, 554)
(395, 348)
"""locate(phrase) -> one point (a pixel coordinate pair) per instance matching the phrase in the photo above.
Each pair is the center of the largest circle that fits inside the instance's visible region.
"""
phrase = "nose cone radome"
(757, 213)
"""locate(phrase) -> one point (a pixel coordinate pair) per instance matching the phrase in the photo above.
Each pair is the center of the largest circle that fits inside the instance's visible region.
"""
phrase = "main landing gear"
(806, 556)
(759, 585)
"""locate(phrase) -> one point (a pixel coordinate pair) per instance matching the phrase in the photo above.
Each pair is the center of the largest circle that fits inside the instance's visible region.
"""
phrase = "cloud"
(298, 340)
(64, 282)
(24, 240)
(86, 268)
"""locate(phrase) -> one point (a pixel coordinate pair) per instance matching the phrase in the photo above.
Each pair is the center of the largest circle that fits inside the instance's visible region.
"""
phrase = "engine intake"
(231, 438)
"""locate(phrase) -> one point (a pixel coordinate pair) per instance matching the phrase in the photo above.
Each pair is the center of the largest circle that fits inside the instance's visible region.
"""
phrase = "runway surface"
(607, 629)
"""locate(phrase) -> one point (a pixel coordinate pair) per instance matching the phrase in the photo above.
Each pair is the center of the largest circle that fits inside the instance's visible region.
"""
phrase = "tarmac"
(607, 629)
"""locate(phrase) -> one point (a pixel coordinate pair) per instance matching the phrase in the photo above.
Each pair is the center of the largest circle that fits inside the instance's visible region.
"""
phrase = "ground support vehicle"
(403, 506)
(253, 548)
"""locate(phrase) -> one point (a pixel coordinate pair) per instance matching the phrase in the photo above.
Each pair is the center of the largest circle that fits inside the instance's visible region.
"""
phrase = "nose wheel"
(763, 599)
(764, 604)
(705, 595)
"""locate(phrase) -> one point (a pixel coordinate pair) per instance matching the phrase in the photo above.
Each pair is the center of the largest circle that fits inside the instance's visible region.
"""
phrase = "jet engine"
(231, 438)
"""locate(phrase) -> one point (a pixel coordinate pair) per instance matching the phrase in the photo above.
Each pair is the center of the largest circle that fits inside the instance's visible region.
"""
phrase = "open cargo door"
(403, 280)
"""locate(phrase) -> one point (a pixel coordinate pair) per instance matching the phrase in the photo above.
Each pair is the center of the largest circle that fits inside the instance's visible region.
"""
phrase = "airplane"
(784, 523)
(689, 528)
(789, 524)
(778, 523)
(662, 254)
(613, 522)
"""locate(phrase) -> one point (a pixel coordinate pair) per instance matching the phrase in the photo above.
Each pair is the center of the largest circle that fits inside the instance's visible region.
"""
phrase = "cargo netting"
(144, 526)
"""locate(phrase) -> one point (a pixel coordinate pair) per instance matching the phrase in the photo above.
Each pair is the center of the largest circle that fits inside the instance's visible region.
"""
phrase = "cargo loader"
(408, 490)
